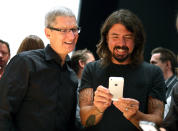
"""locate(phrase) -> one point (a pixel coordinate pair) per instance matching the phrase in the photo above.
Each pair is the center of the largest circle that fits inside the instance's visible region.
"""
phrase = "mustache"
(121, 47)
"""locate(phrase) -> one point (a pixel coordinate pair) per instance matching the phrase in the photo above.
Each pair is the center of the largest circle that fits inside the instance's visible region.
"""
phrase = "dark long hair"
(132, 24)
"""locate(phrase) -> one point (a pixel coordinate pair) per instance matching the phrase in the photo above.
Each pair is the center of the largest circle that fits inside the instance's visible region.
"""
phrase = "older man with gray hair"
(38, 89)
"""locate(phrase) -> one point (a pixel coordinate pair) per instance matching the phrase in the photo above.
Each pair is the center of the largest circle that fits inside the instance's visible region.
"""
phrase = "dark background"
(157, 16)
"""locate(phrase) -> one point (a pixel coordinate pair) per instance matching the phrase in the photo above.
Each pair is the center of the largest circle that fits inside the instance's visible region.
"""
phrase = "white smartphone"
(116, 85)
(148, 126)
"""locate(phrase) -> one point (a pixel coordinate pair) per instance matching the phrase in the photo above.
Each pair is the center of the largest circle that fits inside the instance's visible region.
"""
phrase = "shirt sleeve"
(86, 80)
(158, 89)
(13, 87)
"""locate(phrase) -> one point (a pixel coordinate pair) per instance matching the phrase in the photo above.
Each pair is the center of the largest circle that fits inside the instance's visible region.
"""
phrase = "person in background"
(38, 89)
(31, 42)
(79, 59)
(121, 55)
(4, 56)
(167, 61)
(170, 123)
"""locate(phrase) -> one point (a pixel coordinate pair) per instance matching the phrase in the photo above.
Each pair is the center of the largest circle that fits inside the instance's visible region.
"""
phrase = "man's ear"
(47, 33)
(81, 64)
(168, 65)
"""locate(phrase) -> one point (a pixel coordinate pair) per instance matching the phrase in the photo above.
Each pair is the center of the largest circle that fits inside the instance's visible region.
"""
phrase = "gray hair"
(55, 12)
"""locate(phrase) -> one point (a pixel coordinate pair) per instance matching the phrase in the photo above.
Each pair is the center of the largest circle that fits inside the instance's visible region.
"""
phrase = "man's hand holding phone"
(127, 106)
(102, 99)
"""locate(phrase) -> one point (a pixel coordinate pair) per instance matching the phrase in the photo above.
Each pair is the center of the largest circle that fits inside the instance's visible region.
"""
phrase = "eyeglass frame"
(78, 29)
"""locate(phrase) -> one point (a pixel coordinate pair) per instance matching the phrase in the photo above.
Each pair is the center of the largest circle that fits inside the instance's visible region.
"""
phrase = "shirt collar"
(170, 79)
(50, 54)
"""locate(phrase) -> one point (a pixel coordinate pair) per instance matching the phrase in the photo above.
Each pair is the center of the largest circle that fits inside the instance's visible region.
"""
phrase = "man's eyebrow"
(114, 34)
(128, 35)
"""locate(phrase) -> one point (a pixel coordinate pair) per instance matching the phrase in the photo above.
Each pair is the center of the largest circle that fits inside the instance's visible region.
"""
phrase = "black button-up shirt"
(37, 93)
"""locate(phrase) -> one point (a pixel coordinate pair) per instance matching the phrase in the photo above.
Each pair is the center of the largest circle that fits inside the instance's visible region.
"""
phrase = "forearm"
(156, 118)
(90, 115)
(146, 117)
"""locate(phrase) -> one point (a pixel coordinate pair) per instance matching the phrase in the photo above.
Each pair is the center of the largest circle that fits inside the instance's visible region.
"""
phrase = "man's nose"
(122, 42)
(70, 35)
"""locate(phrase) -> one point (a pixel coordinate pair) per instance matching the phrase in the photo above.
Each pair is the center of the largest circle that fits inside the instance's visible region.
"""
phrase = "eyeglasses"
(64, 31)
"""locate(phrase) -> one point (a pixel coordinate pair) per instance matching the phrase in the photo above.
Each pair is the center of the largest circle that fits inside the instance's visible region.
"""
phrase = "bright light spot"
(20, 18)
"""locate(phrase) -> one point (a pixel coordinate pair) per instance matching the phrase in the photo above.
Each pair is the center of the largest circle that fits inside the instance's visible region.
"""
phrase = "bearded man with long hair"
(121, 55)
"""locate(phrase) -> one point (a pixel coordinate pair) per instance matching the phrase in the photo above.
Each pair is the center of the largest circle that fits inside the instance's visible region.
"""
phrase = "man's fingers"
(103, 94)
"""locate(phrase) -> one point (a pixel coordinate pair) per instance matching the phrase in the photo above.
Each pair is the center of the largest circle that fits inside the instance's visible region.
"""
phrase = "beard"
(121, 57)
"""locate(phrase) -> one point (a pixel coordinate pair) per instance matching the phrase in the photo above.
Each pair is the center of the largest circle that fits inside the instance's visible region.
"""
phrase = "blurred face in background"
(155, 59)
(91, 58)
(4, 55)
